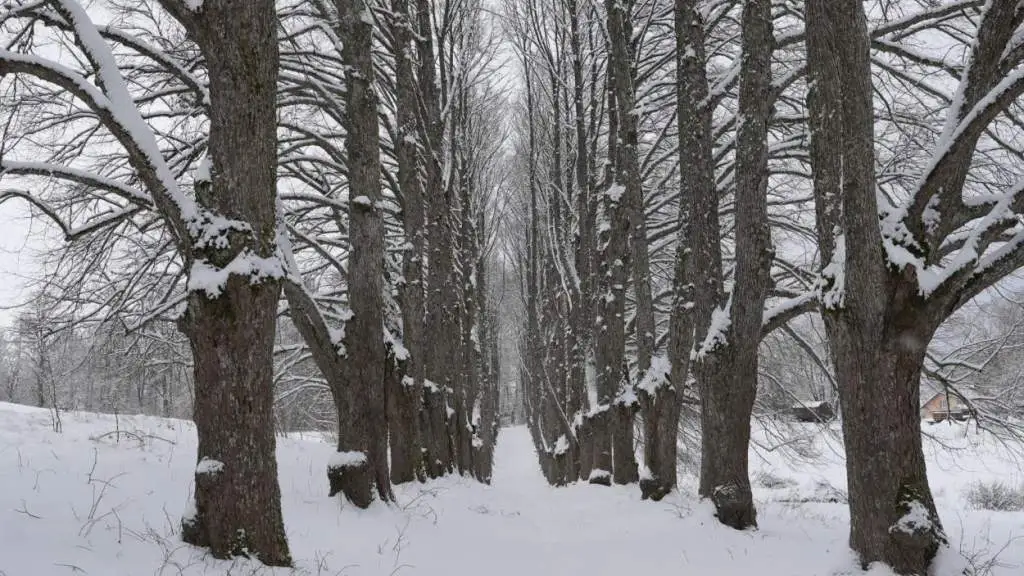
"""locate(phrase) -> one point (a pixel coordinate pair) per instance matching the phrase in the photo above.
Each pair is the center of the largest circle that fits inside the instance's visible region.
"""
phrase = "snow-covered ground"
(91, 501)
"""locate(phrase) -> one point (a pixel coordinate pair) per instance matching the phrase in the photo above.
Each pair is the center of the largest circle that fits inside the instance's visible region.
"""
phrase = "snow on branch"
(121, 105)
(788, 309)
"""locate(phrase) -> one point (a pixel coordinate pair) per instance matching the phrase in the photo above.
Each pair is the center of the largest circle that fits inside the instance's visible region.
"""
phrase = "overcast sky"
(19, 240)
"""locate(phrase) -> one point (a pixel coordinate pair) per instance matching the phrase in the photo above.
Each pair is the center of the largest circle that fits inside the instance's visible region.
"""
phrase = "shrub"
(995, 496)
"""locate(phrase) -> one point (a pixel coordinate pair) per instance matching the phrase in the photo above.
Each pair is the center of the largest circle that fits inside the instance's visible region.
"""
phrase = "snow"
(55, 513)
(718, 332)
(917, 519)
(787, 305)
(209, 466)
(397, 346)
(204, 170)
(73, 173)
(561, 445)
(205, 277)
(833, 276)
(810, 404)
(194, 5)
(119, 102)
(347, 459)
(931, 215)
(615, 192)
(656, 376)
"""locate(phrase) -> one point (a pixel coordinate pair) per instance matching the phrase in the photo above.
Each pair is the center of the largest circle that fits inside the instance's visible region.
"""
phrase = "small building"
(820, 411)
(945, 405)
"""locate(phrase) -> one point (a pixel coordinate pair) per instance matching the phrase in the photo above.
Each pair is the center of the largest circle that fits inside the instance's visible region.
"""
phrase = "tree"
(726, 366)
(620, 227)
(893, 269)
(404, 398)
(224, 236)
(362, 437)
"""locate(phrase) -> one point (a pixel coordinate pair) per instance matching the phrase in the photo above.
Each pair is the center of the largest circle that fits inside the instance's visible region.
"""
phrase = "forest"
(643, 232)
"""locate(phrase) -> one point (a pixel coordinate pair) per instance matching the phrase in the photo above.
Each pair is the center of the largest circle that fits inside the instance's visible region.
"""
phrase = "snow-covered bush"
(995, 495)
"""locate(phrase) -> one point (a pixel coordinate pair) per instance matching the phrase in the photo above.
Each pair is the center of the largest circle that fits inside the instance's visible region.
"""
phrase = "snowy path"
(526, 527)
(85, 502)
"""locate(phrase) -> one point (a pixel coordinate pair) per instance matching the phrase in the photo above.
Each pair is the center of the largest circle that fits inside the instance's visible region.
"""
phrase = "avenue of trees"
(700, 174)
(370, 216)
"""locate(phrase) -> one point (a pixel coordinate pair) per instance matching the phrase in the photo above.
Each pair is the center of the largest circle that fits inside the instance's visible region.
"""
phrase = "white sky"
(20, 238)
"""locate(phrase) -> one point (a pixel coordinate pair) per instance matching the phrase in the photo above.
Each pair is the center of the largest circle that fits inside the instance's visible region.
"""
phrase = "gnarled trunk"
(892, 514)
(727, 391)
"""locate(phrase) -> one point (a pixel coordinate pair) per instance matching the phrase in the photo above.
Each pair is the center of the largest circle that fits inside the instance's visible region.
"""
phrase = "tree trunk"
(585, 439)
(614, 423)
(660, 410)
(361, 467)
(878, 325)
(601, 444)
(441, 355)
(405, 396)
(403, 414)
(892, 514)
(237, 497)
(625, 469)
(578, 336)
(662, 406)
(727, 392)
(727, 362)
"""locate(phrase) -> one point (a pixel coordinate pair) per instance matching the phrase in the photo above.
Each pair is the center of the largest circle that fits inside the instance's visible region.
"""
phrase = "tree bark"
(237, 497)
(662, 407)
(727, 396)
(405, 396)
(578, 337)
(363, 429)
(885, 466)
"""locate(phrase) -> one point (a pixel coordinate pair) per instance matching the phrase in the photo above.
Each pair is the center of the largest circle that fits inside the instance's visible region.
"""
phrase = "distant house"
(813, 412)
(944, 405)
